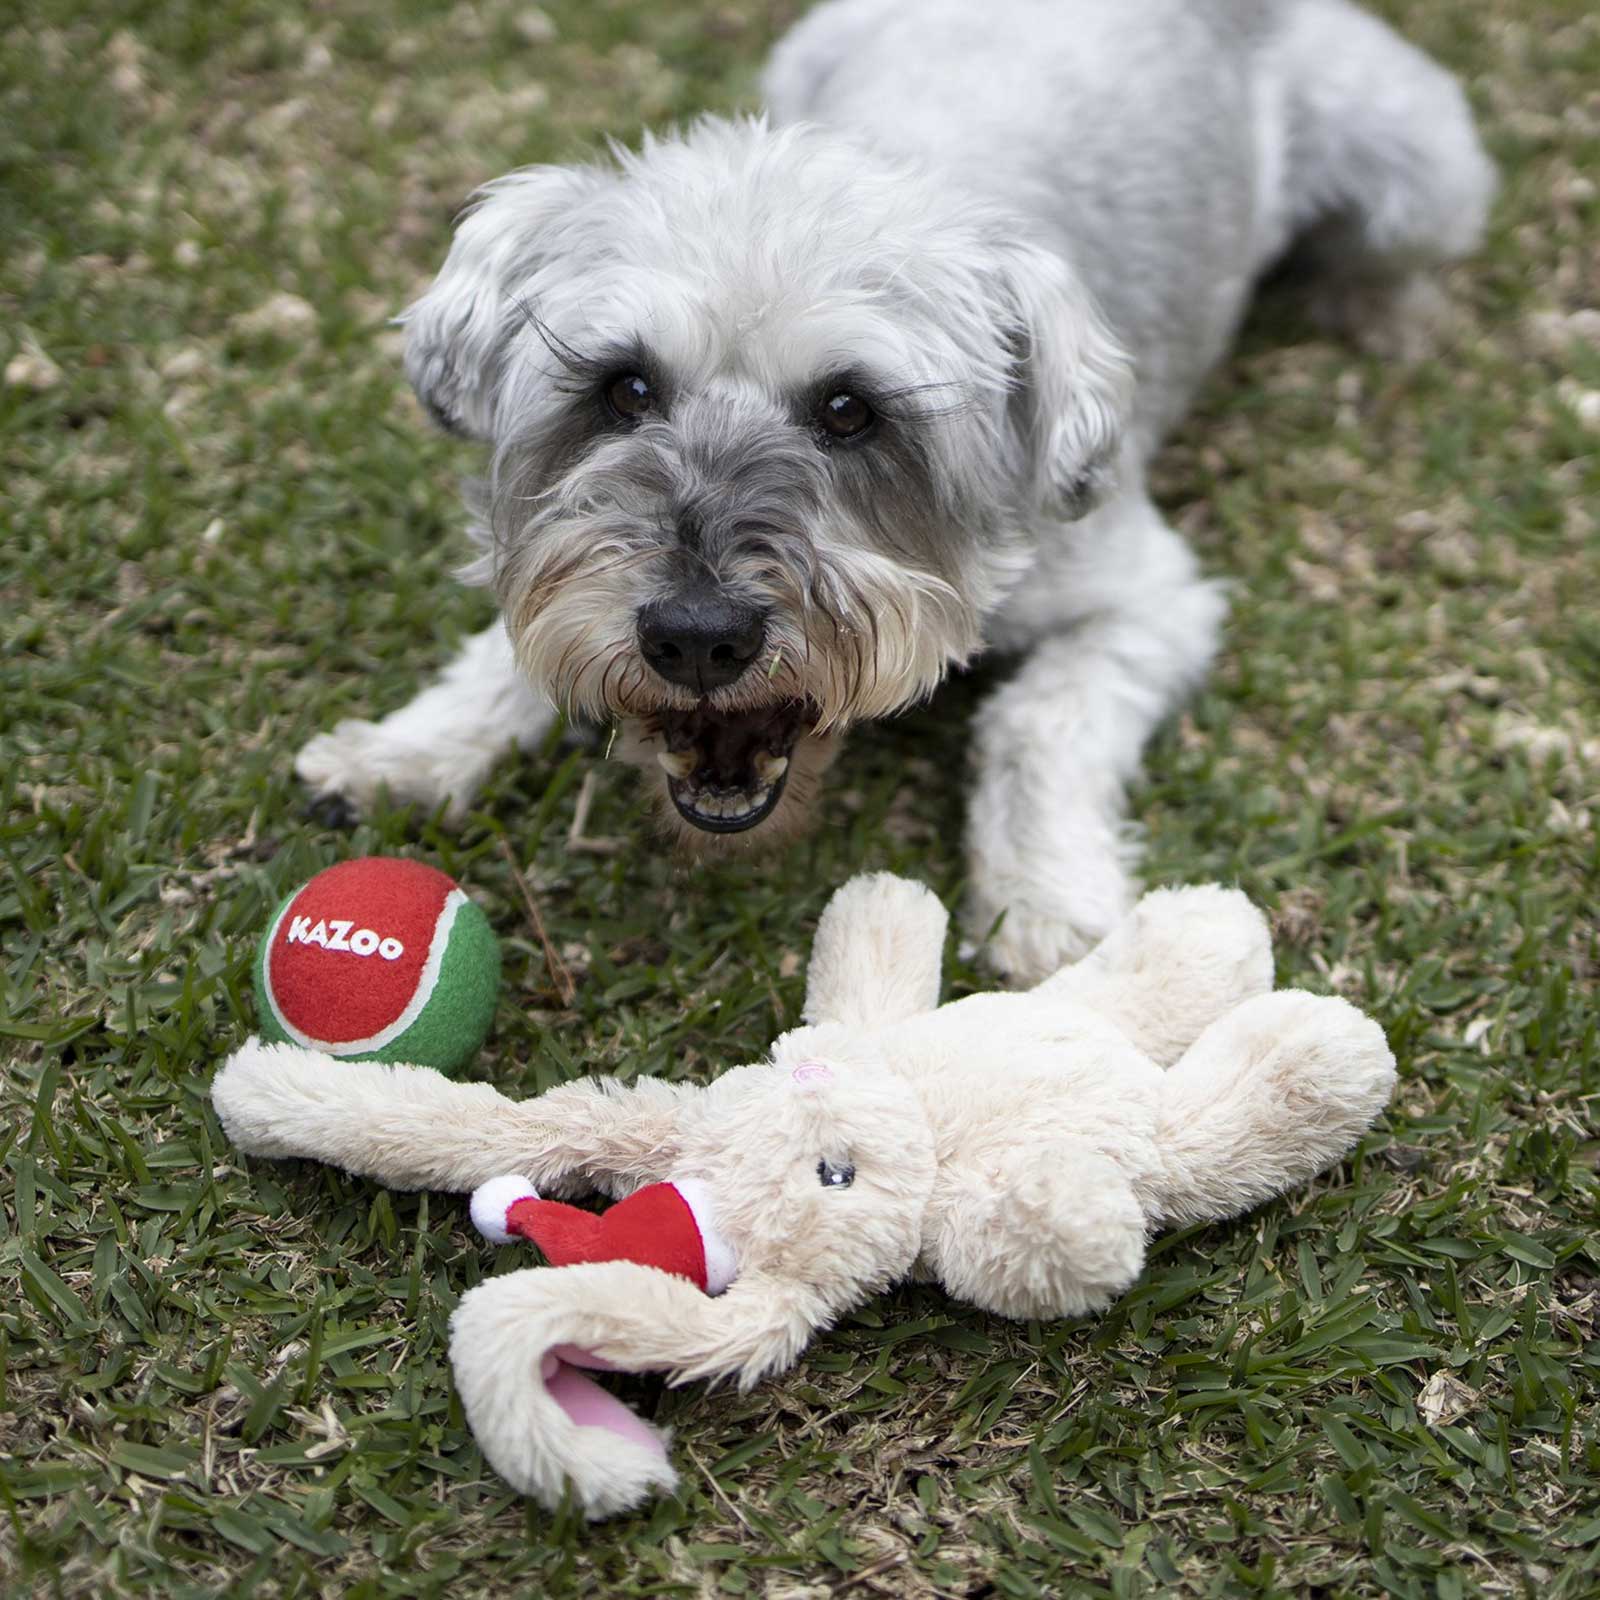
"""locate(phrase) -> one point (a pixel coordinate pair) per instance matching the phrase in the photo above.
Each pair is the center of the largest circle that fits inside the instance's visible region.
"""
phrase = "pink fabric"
(588, 1405)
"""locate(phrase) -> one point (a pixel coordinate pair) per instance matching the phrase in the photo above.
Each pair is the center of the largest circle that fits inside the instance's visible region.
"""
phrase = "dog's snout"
(701, 641)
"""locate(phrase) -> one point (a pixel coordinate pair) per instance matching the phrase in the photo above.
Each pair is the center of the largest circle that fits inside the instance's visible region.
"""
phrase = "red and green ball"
(379, 959)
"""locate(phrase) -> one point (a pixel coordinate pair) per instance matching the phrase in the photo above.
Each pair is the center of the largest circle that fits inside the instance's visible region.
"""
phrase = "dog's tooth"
(676, 763)
(734, 806)
(769, 768)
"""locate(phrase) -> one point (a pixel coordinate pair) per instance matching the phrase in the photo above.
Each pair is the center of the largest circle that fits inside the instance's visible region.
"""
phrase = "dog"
(790, 415)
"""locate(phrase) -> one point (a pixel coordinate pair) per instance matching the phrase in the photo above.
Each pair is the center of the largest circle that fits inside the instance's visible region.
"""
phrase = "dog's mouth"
(726, 770)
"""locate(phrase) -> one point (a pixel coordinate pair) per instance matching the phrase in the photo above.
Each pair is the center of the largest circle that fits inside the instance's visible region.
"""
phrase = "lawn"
(226, 525)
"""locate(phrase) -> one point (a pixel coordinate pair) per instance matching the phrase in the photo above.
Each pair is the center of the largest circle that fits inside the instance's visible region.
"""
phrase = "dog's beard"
(851, 635)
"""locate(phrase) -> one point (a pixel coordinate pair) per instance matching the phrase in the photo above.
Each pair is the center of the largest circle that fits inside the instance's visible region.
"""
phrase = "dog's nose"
(701, 641)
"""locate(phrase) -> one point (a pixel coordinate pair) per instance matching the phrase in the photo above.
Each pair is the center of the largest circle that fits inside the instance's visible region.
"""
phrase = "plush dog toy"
(1018, 1148)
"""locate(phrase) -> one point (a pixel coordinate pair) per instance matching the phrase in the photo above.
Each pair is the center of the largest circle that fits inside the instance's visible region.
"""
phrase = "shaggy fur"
(985, 222)
(1016, 1147)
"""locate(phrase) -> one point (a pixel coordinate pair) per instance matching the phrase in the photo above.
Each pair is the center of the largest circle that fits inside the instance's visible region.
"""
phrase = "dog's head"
(775, 422)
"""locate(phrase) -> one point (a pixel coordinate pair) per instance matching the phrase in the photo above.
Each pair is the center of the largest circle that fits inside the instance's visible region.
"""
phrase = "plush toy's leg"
(1178, 961)
(1055, 1230)
(877, 954)
(542, 1424)
(412, 1128)
(1267, 1097)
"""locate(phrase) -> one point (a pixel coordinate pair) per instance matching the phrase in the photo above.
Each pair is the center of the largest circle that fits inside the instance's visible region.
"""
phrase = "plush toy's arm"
(1053, 1230)
(412, 1128)
(877, 953)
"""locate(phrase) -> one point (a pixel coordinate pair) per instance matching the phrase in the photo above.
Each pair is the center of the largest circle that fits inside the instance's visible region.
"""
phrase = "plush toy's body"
(1018, 1148)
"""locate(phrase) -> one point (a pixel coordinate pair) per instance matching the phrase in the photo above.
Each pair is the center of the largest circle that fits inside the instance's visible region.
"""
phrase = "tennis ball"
(379, 959)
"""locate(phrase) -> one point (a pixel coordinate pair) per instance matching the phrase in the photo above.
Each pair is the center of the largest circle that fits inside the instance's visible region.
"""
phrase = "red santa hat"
(664, 1225)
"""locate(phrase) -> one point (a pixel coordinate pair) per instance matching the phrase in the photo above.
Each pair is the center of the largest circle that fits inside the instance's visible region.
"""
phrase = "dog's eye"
(629, 397)
(845, 416)
(832, 1177)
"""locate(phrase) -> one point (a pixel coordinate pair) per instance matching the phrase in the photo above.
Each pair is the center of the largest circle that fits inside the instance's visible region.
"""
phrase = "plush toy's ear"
(412, 1128)
(521, 1346)
(408, 1127)
(1074, 382)
(877, 953)
(458, 333)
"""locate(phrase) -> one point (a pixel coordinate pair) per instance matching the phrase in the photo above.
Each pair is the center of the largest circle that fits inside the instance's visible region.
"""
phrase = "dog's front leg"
(439, 746)
(1056, 747)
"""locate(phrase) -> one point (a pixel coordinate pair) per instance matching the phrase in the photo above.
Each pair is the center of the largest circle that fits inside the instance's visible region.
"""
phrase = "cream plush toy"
(1018, 1148)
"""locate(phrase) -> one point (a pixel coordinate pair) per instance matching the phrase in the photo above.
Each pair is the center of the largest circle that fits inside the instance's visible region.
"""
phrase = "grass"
(225, 526)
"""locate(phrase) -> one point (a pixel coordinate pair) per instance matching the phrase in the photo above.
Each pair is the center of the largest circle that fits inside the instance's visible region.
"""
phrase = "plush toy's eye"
(832, 1177)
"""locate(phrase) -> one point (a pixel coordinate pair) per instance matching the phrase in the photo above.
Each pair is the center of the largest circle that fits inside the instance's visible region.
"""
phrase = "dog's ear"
(458, 333)
(1074, 381)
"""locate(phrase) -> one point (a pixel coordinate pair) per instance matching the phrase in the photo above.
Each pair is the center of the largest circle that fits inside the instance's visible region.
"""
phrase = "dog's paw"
(1044, 927)
(1030, 944)
(1405, 320)
(333, 812)
(357, 761)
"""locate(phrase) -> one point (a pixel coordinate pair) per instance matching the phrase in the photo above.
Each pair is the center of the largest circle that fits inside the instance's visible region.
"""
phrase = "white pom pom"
(492, 1200)
(722, 1265)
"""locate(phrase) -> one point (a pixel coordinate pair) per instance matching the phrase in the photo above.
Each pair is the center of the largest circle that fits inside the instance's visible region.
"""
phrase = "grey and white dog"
(790, 416)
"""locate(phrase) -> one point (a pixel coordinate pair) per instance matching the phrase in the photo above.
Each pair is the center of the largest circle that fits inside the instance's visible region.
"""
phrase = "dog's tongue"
(653, 1226)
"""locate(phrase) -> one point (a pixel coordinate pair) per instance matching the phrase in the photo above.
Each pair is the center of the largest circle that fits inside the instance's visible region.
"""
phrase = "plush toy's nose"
(657, 1226)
